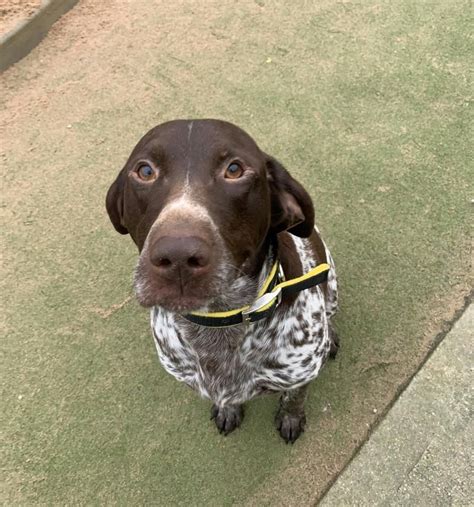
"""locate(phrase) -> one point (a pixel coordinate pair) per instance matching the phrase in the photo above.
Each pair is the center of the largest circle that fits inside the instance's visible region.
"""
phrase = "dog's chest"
(233, 365)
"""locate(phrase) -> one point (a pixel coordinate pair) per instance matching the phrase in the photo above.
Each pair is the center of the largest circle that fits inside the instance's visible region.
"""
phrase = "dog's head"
(200, 200)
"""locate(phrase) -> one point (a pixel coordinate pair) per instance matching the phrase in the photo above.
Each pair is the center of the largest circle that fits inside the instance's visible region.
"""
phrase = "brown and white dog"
(209, 212)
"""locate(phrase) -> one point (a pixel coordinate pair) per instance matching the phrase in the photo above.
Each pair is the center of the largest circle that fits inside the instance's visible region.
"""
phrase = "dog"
(241, 286)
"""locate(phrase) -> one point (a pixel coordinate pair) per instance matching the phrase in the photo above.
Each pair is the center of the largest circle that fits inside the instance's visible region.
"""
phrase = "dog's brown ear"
(114, 203)
(292, 207)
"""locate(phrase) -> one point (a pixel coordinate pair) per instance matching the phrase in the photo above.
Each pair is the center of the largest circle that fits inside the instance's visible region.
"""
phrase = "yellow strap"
(221, 314)
(310, 274)
(288, 283)
(263, 290)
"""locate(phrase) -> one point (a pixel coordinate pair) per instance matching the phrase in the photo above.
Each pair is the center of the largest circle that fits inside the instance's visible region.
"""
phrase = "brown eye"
(234, 171)
(146, 173)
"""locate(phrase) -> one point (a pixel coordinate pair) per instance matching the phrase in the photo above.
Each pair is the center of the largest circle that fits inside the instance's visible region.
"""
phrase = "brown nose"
(174, 256)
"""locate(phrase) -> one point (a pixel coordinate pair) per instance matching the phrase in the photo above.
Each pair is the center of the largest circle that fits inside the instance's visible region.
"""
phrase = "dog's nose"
(187, 256)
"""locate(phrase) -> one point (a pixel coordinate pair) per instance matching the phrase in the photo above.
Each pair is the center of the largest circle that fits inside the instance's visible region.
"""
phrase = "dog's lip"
(181, 304)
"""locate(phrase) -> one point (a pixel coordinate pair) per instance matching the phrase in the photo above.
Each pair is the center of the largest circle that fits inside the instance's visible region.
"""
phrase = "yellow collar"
(269, 296)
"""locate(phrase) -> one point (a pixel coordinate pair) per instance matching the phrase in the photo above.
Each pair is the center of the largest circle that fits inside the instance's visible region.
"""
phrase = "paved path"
(422, 453)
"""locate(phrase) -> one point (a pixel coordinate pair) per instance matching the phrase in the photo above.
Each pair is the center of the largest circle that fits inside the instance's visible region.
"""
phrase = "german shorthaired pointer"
(240, 284)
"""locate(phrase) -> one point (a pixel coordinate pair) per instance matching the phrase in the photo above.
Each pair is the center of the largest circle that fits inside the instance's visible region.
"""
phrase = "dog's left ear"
(292, 207)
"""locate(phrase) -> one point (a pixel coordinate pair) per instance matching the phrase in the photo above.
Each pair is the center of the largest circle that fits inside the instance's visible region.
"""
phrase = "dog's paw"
(227, 418)
(290, 426)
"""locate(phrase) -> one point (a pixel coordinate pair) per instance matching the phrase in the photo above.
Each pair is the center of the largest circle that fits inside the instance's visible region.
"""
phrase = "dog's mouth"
(222, 291)
(177, 304)
(177, 295)
(173, 298)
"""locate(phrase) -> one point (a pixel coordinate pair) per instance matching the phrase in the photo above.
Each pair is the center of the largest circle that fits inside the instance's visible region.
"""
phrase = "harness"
(269, 297)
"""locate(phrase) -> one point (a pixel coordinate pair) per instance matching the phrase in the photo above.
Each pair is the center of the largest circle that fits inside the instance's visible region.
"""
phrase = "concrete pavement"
(422, 452)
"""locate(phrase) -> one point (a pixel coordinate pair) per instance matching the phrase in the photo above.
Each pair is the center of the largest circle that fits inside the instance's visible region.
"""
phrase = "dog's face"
(200, 199)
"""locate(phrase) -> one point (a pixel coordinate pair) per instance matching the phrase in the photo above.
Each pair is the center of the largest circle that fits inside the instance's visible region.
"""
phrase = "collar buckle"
(260, 303)
(281, 273)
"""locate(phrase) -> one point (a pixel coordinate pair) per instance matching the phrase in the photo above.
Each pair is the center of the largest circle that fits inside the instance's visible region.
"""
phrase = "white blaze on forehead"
(185, 208)
(190, 129)
(188, 165)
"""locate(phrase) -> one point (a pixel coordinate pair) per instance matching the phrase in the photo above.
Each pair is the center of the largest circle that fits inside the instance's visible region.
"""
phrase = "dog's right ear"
(114, 203)
(292, 207)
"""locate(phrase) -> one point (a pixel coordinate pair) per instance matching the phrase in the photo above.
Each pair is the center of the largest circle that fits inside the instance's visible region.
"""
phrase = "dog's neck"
(244, 289)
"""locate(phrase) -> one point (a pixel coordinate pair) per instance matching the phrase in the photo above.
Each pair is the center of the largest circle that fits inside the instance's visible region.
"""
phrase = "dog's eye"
(147, 173)
(234, 171)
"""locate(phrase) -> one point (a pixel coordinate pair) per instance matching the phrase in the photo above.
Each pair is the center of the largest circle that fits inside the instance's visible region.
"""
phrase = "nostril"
(196, 261)
(163, 263)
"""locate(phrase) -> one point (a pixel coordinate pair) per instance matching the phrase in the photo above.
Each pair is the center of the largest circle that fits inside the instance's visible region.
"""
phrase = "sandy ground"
(367, 104)
(13, 12)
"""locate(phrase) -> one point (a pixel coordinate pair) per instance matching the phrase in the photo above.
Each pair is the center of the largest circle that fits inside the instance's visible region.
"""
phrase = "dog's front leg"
(227, 417)
(290, 418)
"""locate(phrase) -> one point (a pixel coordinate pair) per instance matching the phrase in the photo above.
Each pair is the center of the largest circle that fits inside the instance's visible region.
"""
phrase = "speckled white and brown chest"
(232, 365)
